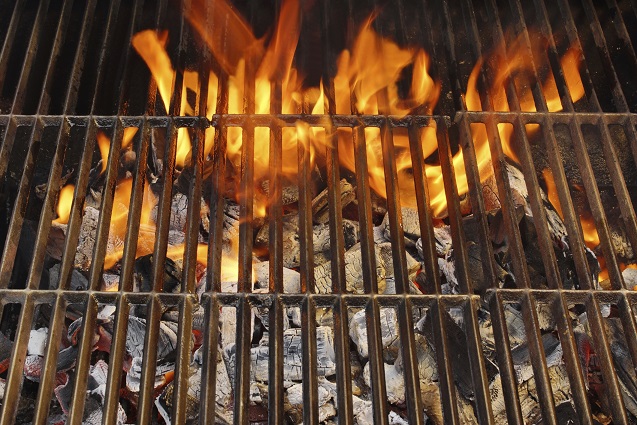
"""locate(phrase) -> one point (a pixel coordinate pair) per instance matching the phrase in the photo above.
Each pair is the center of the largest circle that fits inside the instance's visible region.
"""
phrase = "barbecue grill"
(69, 72)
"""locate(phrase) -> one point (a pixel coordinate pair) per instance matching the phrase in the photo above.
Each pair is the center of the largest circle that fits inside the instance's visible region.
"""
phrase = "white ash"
(167, 340)
(353, 272)
(528, 396)
(320, 238)
(96, 390)
(295, 395)
(388, 327)
(320, 210)
(228, 325)
(179, 213)
(33, 364)
(291, 278)
(410, 221)
(292, 356)
(386, 251)
(515, 325)
(134, 374)
(78, 281)
(522, 362)
(427, 368)
(37, 341)
(630, 277)
(86, 243)
(394, 383)
(263, 313)
(111, 282)
(396, 419)
(519, 192)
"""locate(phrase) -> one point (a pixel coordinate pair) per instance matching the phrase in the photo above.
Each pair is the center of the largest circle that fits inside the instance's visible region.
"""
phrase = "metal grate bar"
(246, 199)
(213, 277)
(18, 100)
(9, 39)
(126, 280)
(368, 260)
(109, 34)
(344, 401)
(276, 390)
(306, 269)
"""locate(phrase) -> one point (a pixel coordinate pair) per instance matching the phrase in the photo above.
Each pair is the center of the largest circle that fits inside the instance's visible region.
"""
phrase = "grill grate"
(43, 140)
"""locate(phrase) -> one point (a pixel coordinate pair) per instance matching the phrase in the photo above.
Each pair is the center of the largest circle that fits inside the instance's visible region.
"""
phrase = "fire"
(366, 81)
(150, 45)
(65, 201)
(589, 231)
(104, 143)
(551, 191)
(591, 238)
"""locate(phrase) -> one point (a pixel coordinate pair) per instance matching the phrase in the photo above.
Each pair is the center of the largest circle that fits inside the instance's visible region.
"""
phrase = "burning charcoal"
(515, 324)
(320, 210)
(88, 232)
(386, 252)
(179, 212)
(294, 403)
(389, 332)
(526, 384)
(621, 360)
(165, 401)
(411, 225)
(95, 393)
(64, 392)
(166, 343)
(320, 239)
(490, 194)
(289, 194)
(394, 383)
(321, 236)
(291, 278)
(35, 354)
(111, 282)
(143, 271)
(353, 272)
(198, 317)
(460, 358)
(78, 281)
(630, 277)
(623, 364)
(134, 374)
(66, 358)
(292, 360)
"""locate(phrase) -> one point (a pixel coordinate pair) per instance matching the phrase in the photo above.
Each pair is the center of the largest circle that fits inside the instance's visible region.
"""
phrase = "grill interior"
(68, 73)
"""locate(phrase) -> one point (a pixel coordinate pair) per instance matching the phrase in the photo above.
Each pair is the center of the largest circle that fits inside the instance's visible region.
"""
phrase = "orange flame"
(104, 143)
(151, 47)
(65, 201)
(551, 191)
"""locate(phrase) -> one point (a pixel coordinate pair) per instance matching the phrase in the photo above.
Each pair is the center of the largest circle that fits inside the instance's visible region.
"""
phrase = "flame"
(150, 45)
(119, 220)
(65, 201)
(551, 191)
(591, 238)
(589, 231)
(104, 143)
(570, 66)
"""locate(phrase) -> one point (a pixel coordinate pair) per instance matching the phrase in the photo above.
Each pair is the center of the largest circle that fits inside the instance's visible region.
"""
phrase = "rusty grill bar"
(101, 92)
